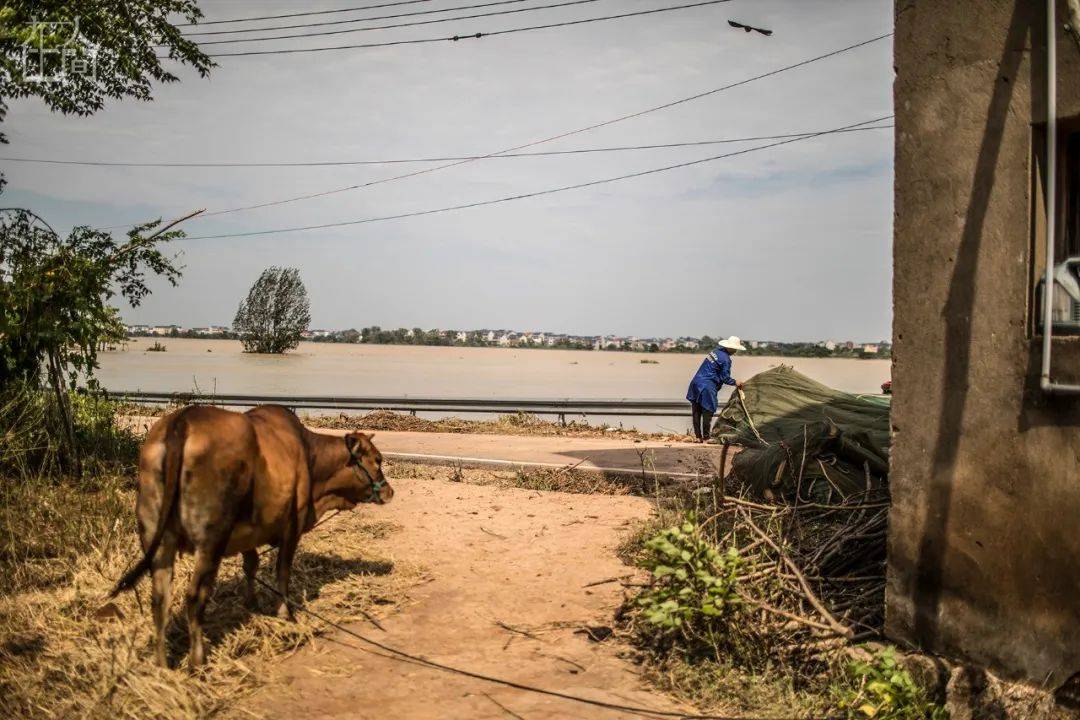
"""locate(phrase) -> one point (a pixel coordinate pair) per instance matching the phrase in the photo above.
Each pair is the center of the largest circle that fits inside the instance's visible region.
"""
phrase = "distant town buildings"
(538, 339)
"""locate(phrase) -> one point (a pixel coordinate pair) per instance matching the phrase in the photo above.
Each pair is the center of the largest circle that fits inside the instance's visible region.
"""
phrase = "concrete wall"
(984, 539)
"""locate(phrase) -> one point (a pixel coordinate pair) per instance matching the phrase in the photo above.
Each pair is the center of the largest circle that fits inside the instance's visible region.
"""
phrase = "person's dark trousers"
(702, 419)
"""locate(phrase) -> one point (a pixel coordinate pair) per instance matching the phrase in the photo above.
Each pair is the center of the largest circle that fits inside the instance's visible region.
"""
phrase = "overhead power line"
(550, 191)
(395, 161)
(470, 36)
(547, 139)
(413, 24)
(304, 14)
(560, 136)
(350, 20)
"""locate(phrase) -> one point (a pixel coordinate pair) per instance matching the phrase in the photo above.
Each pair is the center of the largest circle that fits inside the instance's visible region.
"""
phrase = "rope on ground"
(402, 656)
(363, 612)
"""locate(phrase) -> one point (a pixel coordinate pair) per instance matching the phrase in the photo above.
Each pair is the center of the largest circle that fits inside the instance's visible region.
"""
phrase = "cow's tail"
(171, 469)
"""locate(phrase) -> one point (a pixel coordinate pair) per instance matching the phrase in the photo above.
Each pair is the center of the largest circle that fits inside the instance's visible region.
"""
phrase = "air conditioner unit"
(1064, 298)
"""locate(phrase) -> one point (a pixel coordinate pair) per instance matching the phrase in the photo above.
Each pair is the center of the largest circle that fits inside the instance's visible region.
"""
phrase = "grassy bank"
(512, 424)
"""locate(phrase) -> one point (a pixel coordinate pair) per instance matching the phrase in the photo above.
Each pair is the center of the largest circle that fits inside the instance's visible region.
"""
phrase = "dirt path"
(495, 555)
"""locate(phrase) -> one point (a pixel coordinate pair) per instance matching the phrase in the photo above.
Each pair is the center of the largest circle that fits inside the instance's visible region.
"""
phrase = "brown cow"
(217, 483)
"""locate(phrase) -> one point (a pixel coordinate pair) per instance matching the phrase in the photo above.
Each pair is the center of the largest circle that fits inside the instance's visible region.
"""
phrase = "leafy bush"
(100, 439)
(693, 593)
(55, 306)
(56, 294)
(29, 431)
(884, 690)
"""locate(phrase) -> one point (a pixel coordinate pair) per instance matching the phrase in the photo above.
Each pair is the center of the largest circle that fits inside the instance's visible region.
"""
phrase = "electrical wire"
(303, 14)
(523, 196)
(407, 24)
(398, 161)
(352, 20)
(471, 36)
(559, 136)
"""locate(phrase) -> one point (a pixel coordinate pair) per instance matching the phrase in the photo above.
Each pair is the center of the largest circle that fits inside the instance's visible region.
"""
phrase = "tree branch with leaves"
(56, 296)
(135, 41)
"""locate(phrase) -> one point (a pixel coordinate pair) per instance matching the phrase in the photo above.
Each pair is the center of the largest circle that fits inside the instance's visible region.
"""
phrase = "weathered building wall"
(984, 539)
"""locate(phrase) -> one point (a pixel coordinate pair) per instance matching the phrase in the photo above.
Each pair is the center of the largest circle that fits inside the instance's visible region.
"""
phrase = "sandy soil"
(498, 558)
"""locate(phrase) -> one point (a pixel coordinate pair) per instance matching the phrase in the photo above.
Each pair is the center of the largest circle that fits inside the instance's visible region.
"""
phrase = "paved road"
(614, 455)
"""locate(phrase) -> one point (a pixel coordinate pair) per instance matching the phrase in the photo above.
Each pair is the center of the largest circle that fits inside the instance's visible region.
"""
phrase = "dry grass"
(515, 424)
(62, 551)
(545, 479)
(145, 410)
(726, 689)
(631, 548)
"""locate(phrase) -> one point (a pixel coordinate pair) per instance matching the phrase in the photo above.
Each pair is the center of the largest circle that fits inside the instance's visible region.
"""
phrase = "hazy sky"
(791, 242)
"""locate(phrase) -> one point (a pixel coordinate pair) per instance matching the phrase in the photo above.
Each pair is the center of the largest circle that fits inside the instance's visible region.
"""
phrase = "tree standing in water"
(275, 312)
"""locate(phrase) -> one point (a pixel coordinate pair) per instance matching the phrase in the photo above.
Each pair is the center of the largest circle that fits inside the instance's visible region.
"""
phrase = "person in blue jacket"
(715, 371)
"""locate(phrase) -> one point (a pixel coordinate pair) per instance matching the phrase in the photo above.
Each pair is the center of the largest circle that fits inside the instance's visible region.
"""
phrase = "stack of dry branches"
(811, 576)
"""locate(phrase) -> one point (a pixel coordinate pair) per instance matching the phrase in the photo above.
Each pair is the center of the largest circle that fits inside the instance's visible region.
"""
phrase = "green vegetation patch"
(717, 627)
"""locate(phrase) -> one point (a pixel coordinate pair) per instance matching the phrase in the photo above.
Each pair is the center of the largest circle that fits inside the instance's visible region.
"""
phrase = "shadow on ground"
(702, 459)
(226, 611)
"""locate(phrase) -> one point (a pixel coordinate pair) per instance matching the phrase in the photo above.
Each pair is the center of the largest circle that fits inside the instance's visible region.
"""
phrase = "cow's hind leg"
(251, 566)
(207, 561)
(212, 496)
(162, 570)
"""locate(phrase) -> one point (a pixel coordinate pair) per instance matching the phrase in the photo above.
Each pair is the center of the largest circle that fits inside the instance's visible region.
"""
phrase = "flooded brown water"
(219, 366)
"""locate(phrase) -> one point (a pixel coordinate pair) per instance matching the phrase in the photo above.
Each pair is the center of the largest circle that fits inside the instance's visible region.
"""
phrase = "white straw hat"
(732, 343)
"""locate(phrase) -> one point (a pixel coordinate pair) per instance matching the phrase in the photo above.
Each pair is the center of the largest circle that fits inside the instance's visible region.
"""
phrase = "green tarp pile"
(804, 439)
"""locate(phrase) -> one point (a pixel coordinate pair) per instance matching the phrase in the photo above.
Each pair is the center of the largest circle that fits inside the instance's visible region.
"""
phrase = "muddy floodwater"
(219, 366)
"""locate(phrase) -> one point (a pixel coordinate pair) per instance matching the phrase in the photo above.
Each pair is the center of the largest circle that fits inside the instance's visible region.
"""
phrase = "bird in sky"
(748, 28)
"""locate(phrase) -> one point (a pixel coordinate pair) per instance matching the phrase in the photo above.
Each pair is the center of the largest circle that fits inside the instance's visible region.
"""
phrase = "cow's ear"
(351, 442)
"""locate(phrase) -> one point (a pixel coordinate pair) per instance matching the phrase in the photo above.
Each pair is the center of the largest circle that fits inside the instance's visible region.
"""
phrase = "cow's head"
(362, 479)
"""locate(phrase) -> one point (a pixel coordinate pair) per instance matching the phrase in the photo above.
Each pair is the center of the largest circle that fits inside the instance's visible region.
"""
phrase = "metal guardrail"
(557, 406)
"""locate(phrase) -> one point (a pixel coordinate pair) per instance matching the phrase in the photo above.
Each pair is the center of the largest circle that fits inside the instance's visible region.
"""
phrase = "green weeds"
(694, 583)
(710, 633)
(882, 689)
